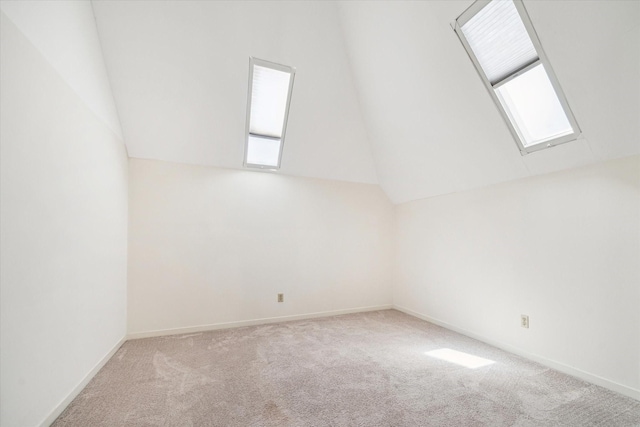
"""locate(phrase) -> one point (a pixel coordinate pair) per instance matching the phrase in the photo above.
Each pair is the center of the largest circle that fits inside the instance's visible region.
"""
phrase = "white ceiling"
(179, 73)
(384, 92)
(65, 34)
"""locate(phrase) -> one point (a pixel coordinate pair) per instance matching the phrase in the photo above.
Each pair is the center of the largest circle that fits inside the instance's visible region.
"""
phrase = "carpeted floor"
(366, 369)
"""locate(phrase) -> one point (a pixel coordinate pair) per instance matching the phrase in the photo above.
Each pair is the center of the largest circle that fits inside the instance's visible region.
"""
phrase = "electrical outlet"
(280, 297)
(524, 321)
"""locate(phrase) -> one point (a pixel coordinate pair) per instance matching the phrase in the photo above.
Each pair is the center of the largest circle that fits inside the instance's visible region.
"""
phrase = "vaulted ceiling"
(179, 74)
(384, 92)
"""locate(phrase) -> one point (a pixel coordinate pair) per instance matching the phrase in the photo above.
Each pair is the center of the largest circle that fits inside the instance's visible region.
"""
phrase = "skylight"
(270, 88)
(504, 48)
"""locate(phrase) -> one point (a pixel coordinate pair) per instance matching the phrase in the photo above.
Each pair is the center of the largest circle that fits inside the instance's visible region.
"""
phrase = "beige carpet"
(367, 369)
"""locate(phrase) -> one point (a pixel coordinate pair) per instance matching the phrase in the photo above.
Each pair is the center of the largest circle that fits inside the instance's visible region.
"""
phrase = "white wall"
(209, 246)
(63, 234)
(563, 248)
(65, 33)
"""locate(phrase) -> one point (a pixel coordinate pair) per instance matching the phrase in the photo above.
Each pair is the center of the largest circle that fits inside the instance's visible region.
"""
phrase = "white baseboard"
(80, 386)
(252, 322)
(586, 376)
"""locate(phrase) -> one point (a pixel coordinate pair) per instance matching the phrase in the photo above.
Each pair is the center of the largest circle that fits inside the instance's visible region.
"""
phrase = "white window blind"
(499, 40)
(270, 89)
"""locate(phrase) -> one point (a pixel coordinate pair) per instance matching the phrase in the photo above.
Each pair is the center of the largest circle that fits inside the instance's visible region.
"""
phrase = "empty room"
(319, 213)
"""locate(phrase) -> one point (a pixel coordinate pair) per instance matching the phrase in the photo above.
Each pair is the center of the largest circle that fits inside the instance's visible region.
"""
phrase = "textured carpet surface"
(366, 369)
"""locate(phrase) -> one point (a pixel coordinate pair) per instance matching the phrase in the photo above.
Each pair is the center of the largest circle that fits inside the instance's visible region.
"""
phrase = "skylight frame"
(542, 60)
(274, 66)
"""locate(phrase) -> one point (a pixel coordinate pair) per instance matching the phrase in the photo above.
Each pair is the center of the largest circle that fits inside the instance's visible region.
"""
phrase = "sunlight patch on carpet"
(459, 358)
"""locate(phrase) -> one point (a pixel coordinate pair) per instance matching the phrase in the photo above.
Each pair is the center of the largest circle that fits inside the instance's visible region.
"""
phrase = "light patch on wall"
(459, 358)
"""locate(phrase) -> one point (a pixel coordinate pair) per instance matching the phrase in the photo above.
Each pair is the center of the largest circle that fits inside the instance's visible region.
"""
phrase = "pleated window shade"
(499, 40)
(269, 93)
